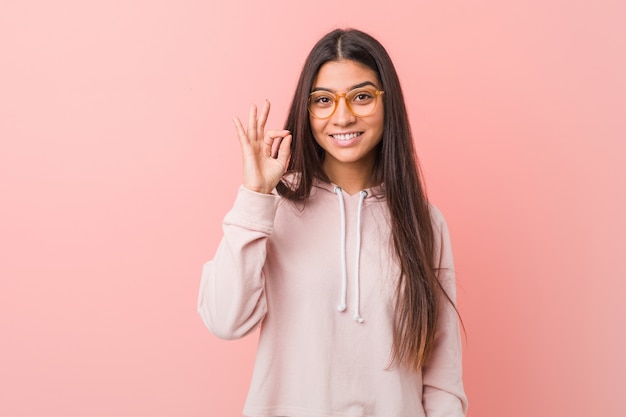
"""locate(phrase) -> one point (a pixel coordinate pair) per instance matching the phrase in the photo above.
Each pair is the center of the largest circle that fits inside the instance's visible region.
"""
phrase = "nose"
(343, 116)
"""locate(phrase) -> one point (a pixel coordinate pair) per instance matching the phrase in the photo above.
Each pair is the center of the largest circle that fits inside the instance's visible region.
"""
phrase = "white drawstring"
(357, 295)
(344, 270)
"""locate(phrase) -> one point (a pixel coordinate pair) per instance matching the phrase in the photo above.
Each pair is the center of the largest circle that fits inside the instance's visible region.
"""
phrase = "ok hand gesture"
(265, 153)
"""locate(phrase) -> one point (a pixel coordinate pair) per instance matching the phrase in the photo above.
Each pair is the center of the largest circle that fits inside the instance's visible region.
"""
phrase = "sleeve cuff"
(253, 210)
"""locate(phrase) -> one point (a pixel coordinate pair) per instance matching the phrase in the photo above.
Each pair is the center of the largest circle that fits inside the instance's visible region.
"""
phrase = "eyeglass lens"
(361, 102)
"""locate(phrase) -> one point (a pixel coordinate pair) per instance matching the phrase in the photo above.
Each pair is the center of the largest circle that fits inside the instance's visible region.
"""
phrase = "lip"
(346, 138)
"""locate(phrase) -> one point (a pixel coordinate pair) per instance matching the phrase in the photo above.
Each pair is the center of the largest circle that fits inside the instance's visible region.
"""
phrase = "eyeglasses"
(360, 101)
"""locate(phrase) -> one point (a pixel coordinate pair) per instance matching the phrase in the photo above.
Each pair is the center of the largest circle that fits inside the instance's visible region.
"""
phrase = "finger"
(272, 140)
(252, 123)
(284, 151)
(275, 146)
(276, 133)
(265, 111)
(241, 132)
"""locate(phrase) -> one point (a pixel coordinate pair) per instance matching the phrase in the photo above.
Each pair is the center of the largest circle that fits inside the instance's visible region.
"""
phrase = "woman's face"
(349, 140)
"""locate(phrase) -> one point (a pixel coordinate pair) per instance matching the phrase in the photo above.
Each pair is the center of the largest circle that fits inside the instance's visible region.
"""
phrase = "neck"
(352, 178)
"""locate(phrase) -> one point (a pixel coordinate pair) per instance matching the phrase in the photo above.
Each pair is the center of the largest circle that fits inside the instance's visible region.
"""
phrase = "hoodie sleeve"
(232, 300)
(443, 393)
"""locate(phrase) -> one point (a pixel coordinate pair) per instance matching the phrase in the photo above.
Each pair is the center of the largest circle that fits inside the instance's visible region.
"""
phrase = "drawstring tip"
(341, 307)
(358, 318)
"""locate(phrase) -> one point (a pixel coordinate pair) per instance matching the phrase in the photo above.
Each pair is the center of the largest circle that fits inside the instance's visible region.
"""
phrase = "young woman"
(333, 250)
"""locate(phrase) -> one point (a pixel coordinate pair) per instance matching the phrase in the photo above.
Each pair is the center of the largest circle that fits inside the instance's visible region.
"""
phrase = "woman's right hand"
(265, 153)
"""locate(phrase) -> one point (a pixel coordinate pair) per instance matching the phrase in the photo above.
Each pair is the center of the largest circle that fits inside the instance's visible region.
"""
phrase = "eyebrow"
(359, 85)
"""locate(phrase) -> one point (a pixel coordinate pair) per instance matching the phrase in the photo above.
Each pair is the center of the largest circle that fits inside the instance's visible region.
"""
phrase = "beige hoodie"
(320, 283)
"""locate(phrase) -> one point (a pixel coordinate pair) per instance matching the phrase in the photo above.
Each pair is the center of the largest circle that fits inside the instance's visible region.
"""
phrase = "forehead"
(342, 75)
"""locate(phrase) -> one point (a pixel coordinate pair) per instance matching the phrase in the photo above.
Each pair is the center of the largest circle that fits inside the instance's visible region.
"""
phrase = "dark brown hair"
(419, 291)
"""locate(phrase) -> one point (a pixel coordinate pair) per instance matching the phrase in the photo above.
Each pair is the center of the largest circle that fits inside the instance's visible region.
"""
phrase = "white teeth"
(347, 136)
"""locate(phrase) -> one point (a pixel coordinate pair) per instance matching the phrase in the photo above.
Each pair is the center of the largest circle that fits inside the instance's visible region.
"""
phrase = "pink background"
(118, 161)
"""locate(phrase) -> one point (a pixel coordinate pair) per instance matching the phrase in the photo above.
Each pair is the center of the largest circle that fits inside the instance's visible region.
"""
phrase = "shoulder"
(437, 218)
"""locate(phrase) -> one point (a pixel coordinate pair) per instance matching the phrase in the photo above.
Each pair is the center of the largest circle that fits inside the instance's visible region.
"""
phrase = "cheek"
(382, 122)
(378, 123)
(317, 127)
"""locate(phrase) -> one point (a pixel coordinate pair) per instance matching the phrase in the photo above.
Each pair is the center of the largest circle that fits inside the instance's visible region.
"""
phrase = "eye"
(362, 97)
(322, 99)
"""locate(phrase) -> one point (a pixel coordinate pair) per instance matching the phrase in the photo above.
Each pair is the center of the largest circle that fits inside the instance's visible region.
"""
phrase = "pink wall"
(118, 161)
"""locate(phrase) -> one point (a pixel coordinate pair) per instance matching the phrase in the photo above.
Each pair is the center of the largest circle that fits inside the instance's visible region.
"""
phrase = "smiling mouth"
(346, 136)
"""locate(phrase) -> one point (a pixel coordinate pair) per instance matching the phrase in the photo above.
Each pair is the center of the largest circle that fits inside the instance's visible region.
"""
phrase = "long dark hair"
(418, 292)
